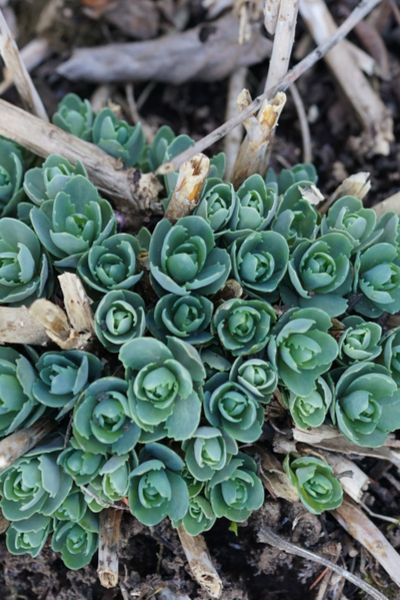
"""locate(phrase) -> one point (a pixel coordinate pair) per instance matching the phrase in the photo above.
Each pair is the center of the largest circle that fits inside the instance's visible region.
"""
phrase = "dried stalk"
(77, 303)
(17, 444)
(285, 27)
(271, 12)
(354, 481)
(253, 152)
(303, 121)
(357, 185)
(34, 53)
(357, 524)
(17, 326)
(57, 326)
(267, 536)
(232, 141)
(391, 204)
(361, 10)
(274, 478)
(369, 108)
(3, 524)
(110, 530)
(133, 191)
(191, 178)
(200, 563)
(16, 67)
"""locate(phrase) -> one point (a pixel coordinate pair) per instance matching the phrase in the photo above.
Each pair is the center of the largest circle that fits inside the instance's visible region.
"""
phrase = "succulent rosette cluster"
(206, 329)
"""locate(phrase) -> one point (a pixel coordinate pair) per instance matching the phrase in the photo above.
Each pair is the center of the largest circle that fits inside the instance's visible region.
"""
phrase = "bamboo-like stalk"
(200, 563)
(17, 444)
(110, 529)
(191, 178)
(134, 192)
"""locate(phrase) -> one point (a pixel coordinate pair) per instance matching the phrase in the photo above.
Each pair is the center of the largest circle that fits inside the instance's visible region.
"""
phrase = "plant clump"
(165, 411)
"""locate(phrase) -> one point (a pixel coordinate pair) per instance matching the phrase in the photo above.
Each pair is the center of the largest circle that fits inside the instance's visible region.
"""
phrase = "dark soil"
(151, 560)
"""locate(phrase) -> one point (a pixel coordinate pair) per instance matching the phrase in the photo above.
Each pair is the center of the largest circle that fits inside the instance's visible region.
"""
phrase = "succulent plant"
(378, 280)
(112, 482)
(218, 204)
(165, 146)
(157, 488)
(214, 360)
(11, 177)
(311, 410)
(62, 376)
(102, 423)
(360, 340)
(73, 508)
(18, 407)
(233, 409)
(303, 173)
(70, 224)
(28, 536)
(258, 376)
(243, 326)
(118, 138)
(366, 407)
(75, 116)
(76, 542)
(259, 262)
(391, 353)
(186, 317)
(255, 207)
(348, 216)
(296, 219)
(315, 483)
(111, 264)
(184, 259)
(80, 465)
(33, 485)
(302, 349)
(236, 491)
(207, 451)
(43, 183)
(24, 268)
(162, 385)
(119, 318)
(320, 274)
(200, 516)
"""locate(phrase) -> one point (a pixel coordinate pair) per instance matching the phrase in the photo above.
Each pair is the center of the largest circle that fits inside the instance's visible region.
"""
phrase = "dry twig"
(200, 563)
(17, 444)
(357, 185)
(17, 326)
(361, 10)
(16, 67)
(110, 529)
(34, 53)
(391, 204)
(186, 194)
(303, 121)
(233, 139)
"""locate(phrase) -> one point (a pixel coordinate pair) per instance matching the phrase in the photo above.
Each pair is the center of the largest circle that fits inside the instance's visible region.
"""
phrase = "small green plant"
(166, 411)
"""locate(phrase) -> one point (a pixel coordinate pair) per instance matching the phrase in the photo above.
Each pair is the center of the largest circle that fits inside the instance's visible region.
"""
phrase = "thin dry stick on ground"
(361, 10)
(109, 536)
(19, 443)
(20, 75)
(34, 53)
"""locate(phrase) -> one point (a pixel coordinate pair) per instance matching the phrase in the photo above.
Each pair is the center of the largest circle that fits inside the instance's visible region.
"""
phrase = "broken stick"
(110, 529)
(186, 194)
(17, 444)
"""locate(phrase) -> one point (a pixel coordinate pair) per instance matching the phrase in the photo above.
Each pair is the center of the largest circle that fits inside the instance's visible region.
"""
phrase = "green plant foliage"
(207, 451)
(157, 488)
(311, 410)
(302, 349)
(76, 542)
(117, 138)
(304, 173)
(80, 465)
(184, 259)
(236, 491)
(11, 177)
(315, 483)
(258, 376)
(259, 262)
(102, 423)
(391, 353)
(75, 116)
(348, 216)
(71, 223)
(367, 404)
(320, 274)
(111, 264)
(18, 407)
(243, 326)
(186, 317)
(296, 219)
(24, 268)
(378, 280)
(28, 536)
(162, 385)
(62, 376)
(200, 516)
(360, 340)
(111, 483)
(119, 317)
(43, 183)
(218, 204)
(233, 409)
